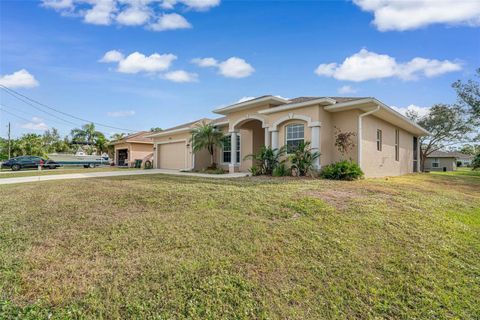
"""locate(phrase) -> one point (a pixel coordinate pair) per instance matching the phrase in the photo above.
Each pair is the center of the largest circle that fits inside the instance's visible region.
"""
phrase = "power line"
(39, 109)
(32, 114)
(15, 93)
(13, 114)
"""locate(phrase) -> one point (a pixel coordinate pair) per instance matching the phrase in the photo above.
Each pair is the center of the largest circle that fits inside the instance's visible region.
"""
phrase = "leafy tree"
(303, 159)
(118, 136)
(156, 129)
(447, 125)
(476, 162)
(471, 149)
(89, 135)
(207, 136)
(469, 95)
(29, 144)
(267, 159)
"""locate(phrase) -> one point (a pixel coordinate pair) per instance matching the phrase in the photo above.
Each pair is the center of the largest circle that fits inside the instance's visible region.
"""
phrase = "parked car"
(22, 162)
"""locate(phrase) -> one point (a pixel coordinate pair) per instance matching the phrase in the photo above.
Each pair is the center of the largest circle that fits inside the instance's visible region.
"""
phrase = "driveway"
(117, 174)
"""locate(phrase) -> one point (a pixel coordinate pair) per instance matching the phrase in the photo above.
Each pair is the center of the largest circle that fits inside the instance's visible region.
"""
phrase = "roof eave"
(166, 133)
(346, 105)
(242, 105)
(328, 101)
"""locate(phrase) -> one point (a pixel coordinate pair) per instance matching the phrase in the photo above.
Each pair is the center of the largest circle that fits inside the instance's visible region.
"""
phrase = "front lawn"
(252, 248)
(7, 173)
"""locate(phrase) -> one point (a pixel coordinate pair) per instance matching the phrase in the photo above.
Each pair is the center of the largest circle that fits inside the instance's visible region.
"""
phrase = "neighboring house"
(386, 141)
(133, 147)
(446, 161)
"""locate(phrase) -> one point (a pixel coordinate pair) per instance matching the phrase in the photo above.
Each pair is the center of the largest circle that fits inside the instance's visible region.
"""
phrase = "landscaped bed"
(182, 247)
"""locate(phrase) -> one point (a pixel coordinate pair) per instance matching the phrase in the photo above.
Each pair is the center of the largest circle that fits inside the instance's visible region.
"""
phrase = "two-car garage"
(172, 155)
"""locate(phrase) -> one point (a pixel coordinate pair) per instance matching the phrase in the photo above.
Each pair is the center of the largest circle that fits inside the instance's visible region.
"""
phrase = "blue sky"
(52, 52)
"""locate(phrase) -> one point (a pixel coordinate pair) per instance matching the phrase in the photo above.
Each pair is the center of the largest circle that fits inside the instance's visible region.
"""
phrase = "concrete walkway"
(117, 174)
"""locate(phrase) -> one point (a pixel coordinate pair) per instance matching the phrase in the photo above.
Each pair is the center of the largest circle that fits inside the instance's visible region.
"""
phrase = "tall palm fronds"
(207, 136)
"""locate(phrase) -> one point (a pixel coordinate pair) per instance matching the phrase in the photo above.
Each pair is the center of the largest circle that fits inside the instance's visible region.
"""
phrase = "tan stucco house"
(446, 161)
(386, 141)
(133, 147)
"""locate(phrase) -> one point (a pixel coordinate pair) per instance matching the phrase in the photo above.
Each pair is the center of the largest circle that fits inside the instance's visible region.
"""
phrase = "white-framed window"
(227, 147)
(379, 140)
(435, 163)
(294, 135)
(397, 145)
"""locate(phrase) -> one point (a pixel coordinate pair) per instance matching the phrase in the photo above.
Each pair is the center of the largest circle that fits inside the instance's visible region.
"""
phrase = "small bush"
(342, 170)
(281, 171)
(476, 162)
(255, 170)
(148, 164)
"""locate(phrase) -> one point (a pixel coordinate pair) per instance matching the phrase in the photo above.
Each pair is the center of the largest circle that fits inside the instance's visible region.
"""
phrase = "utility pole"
(9, 147)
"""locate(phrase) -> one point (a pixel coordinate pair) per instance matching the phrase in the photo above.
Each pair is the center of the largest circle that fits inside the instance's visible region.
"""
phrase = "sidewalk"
(117, 174)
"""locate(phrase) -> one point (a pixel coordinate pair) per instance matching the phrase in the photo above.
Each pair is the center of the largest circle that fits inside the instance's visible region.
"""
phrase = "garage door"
(172, 155)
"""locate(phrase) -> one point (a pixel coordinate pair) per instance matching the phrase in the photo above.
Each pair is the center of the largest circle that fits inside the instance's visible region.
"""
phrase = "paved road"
(116, 174)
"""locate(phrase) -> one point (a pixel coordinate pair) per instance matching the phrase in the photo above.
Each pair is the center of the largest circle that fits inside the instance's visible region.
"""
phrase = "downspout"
(359, 142)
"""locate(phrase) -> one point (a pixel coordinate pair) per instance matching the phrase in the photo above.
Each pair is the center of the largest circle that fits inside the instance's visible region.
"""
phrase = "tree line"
(87, 137)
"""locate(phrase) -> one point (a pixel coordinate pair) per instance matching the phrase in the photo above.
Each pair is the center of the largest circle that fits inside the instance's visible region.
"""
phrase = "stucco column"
(233, 152)
(267, 138)
(315, 144)
(274, 139)
(155, 147)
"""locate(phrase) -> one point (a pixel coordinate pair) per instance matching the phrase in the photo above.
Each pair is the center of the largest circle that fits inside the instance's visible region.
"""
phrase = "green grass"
(166, 247)
(7, 173)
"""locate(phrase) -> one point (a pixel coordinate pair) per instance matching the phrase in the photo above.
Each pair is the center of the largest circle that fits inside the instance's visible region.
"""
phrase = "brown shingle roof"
(138, 136)
(338, 99)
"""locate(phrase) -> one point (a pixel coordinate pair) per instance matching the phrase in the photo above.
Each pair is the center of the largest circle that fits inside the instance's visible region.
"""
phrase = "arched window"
(294, 135)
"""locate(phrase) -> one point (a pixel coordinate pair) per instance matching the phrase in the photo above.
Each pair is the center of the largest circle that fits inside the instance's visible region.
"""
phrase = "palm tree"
(118, 136)
(87, 134)
(303, 158)
(207, 136)
(268, 158)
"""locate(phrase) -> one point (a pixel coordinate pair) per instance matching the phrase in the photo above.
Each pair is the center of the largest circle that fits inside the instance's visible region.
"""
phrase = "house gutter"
(359, 135)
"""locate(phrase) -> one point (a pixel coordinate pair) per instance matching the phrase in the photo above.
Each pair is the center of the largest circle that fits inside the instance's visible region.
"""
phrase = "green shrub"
(342, 170)
(255, 170)
(281, 171)
(267, 159)
(148, 164)
(476, 162)
(303, 159)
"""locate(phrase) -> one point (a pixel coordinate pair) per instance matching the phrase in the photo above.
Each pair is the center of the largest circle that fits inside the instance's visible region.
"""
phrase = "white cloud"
(407, 15)
(205, 62)
(101, 13)
(170, 21)
(119, 114)
(181, 76)
(36, 124)
(200, 5)
(58, 4)
(149, 13)
(138, 62)
(135, 15)
(365, 65)
(235, 68)
(112, 56)
(19, 79)
(231, 68)
(421, 111)
(243, 99)
(346, 90)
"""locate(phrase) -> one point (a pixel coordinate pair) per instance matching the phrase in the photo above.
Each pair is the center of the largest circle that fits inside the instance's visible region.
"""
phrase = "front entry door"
(123, 157)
